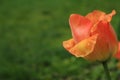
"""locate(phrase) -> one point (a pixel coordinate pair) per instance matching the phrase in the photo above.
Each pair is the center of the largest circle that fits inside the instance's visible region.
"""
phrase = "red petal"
(107, 42)
(80, 27)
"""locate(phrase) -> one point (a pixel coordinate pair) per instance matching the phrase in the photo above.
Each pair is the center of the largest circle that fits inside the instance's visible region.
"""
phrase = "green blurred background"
(31, 35)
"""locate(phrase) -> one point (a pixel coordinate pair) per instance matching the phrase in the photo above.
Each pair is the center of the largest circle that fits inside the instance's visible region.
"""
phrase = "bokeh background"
(31, 35)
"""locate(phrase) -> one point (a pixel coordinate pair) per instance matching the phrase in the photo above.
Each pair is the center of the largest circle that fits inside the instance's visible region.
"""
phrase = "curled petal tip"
(108, 17)
(68, 44)
(113, 12)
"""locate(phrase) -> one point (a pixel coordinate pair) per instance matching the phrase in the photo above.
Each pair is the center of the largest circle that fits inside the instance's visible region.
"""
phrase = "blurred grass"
(31, 35)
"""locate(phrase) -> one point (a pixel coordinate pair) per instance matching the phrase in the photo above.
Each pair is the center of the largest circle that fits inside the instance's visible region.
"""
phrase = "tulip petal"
(107, 34)
(84, 47)
(68, 44)
(95, 16)
(106, 44)
(108, 17)
(80, 27)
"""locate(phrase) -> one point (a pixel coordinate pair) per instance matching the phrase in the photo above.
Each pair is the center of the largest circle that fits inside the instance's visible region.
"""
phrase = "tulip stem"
(106, 70)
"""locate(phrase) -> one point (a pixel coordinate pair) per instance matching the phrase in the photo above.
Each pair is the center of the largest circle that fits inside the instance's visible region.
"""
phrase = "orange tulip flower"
(93, 36)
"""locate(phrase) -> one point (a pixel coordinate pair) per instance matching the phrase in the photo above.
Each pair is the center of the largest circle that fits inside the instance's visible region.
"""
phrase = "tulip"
(93, 37)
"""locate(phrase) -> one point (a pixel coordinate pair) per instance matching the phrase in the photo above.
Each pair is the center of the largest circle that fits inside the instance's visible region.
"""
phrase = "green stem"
(106, 70)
